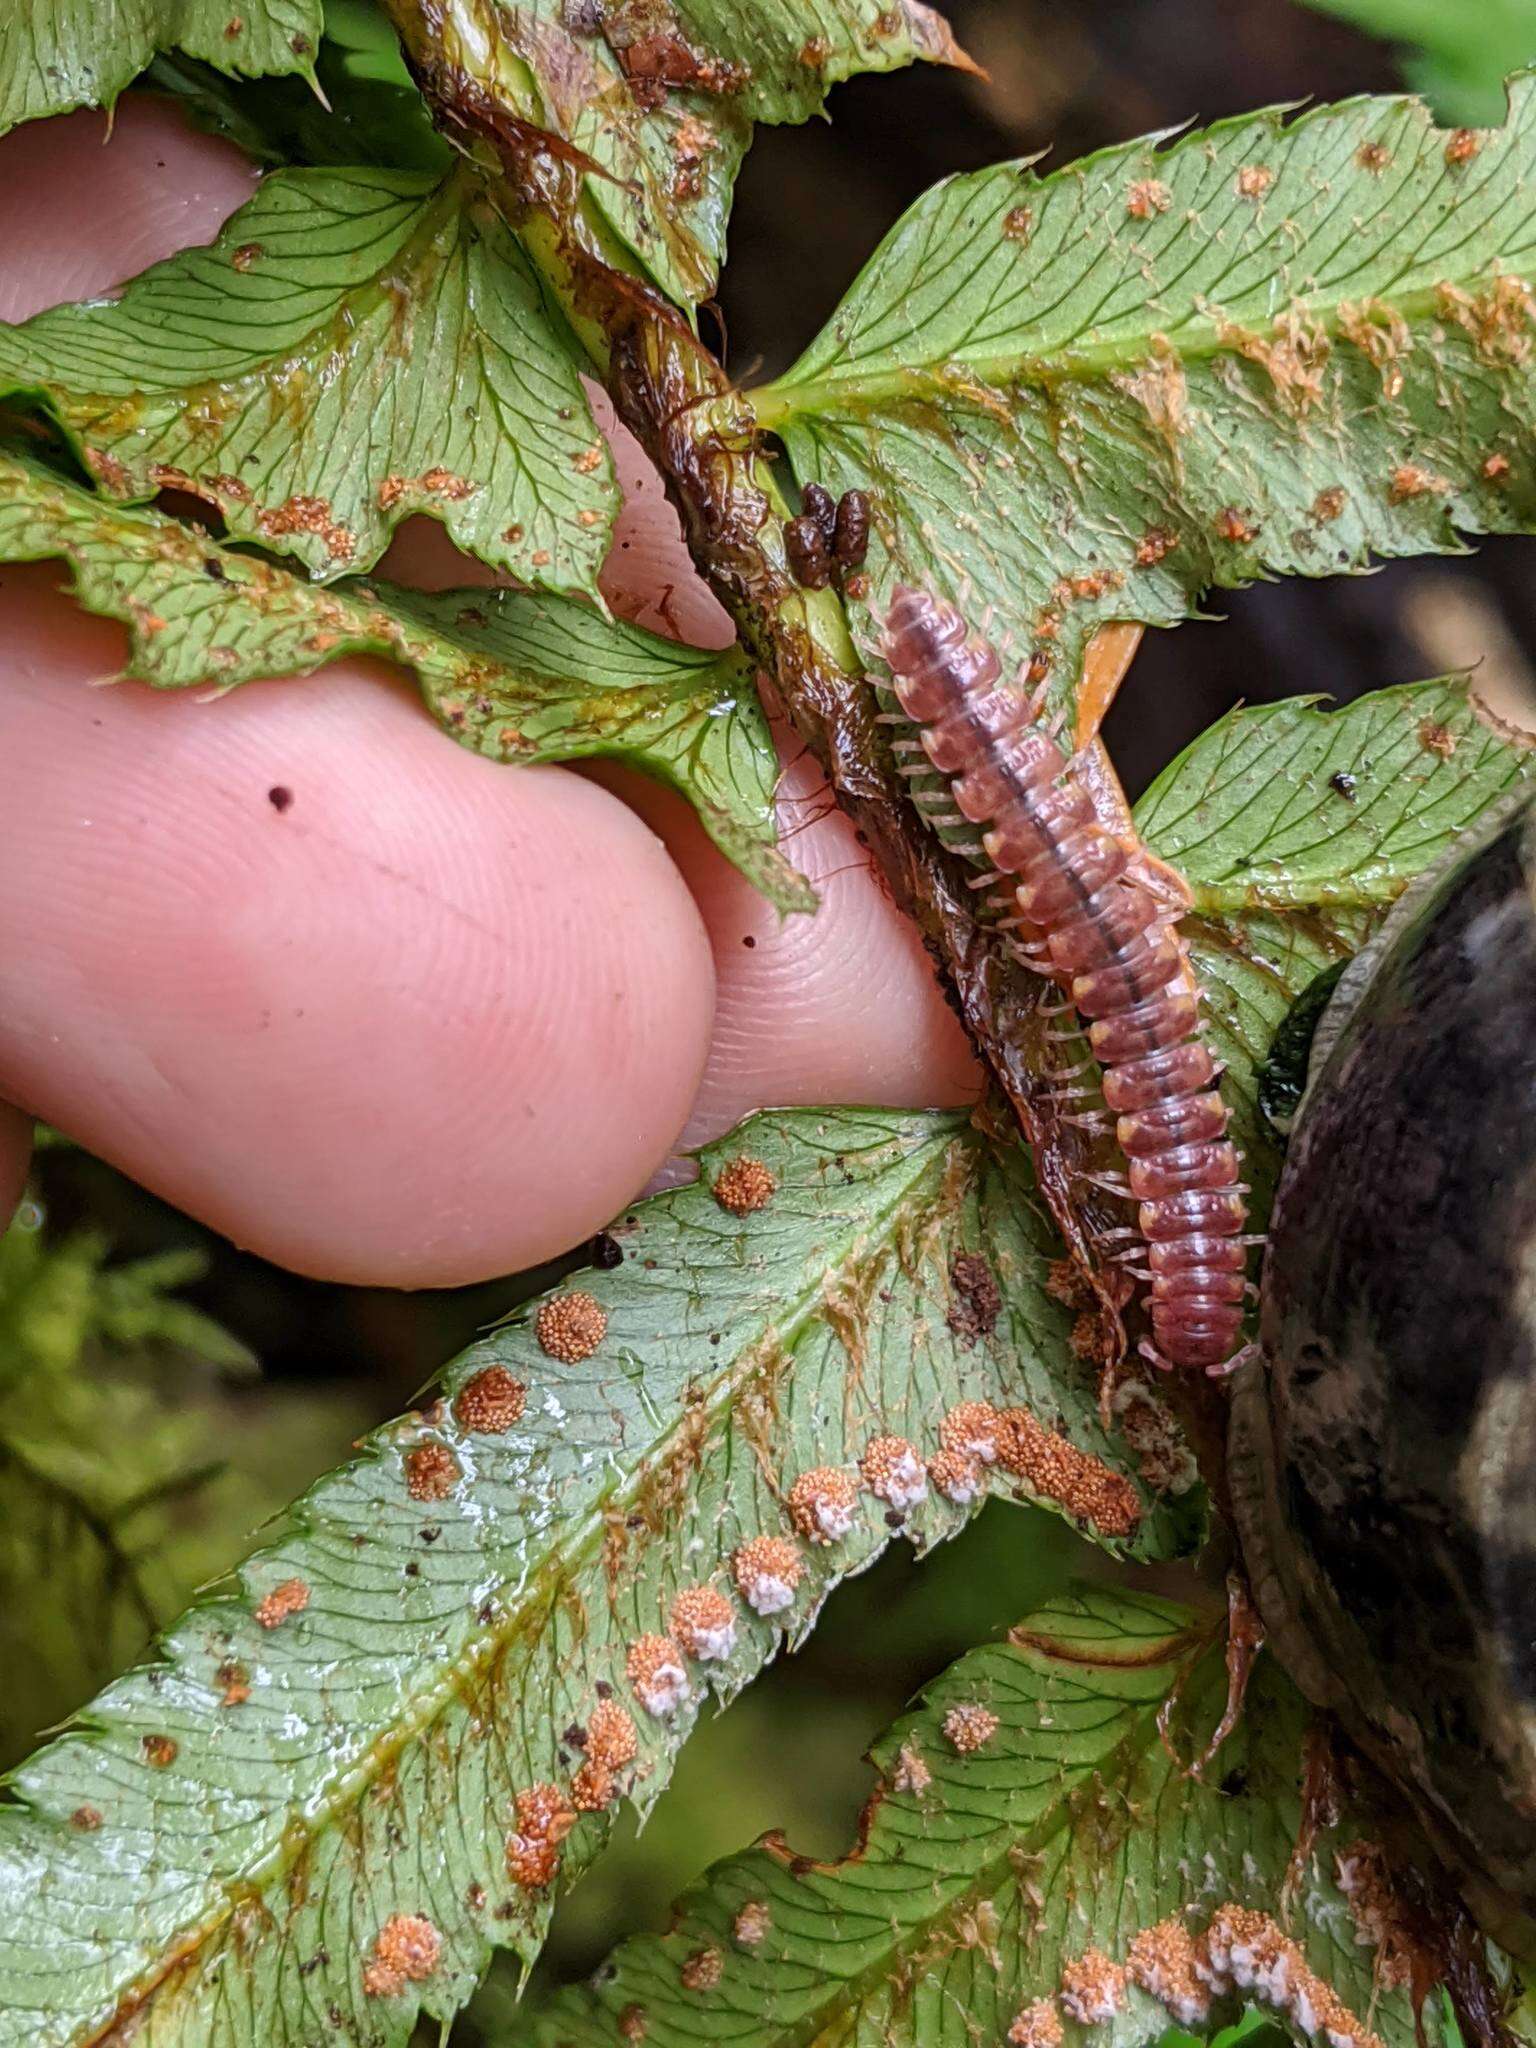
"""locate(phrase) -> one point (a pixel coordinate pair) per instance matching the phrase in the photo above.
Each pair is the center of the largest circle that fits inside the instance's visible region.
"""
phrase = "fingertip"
(87, 202)
(372, 1006)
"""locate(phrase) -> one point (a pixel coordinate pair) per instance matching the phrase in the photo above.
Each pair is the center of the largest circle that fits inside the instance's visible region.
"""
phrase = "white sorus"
(892, 1469)
(767, 1571)
(654, 1668)
(822, 1504)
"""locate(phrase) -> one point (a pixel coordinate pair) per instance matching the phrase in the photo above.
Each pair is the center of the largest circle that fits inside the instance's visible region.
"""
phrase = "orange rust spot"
(814, 52)
(588, 459)
(491, 1401)
(512, 533)
(442, 483)
(247, 254)
(234, 27)
(276, 1606)
(1328, 504)
(1464, 144)
(570, 1327)
(1496, 468)
(1019, 223)
(957, 1475)
(540, 558)
(405, 1950)
(612, 1738)
(822, 1504)
(1412, 480)
(1435, 738)
(1037, 2026)
(633, 2024)
(972, 1430)
(431, 1472)
(744, 1185)
(160, 1750)
(969, 1727)
(704, 1622)
(592, 1788)
(1086, 1333)
(86, 1818)
(1373, 156)
(544, 1818)
(1154, 544)
(654, 1668)
(1161, 1960)
(893, 1472)
(303, 514)
(1254, 180)
(1246, 1951)
(1148, 196)
(235, 1681)
(703, 1970)
(1057, 1470)
(1499, 321)
(1233, 525)
(1092, 1988)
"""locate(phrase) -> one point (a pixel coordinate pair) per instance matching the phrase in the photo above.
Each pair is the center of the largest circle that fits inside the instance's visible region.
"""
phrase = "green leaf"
(58, 54)
(357, 345)
(1458, 57)
(1034, 1865)
(1297, 829)
(371, 112)
(665, 156)
(1268, 348)
(833, 1276)
(512, 676)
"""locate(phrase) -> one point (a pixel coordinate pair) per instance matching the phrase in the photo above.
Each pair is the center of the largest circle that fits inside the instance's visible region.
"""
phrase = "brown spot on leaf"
(703, 1970)
(1412, 480)
(405, 1950)
(1019, 223)
(744, 1185)
(822, 1503)
(160, 1750)
(235, 1680)
(767, 1571)
(491, 1401)
(1496, 469)
(1254, 180)
(633, 2024)
(1462, 146)
(1146, 197)
(704, 1622)
(1234, 525)
(570, 1327)
(309, 515)
(86, 1818)
(750, 1927)
(1057, 1470)
(114, 474)
(247, 254)
(544, 1818)
(276, 1607)
(1373, 156)
(1435, 738)
(1328, 504)
(592, 1787)
(431, 1472)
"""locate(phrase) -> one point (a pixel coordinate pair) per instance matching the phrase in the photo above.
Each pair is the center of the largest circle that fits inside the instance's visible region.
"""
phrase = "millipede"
(1100, 918)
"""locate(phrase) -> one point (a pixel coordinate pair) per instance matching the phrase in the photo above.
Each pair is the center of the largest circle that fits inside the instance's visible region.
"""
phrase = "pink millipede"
(1101, 919)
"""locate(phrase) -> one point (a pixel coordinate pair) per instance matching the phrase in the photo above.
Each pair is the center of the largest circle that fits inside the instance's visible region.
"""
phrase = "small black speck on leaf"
(1343, 784)
(603, 1689)
(279, 798)
(214, 568)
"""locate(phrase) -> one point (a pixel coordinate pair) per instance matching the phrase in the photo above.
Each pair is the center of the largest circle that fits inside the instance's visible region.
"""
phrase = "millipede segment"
(1100, 919)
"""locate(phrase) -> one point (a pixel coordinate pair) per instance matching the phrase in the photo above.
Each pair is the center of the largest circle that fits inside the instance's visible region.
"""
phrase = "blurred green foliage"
(138, 1451)
(1458, 53)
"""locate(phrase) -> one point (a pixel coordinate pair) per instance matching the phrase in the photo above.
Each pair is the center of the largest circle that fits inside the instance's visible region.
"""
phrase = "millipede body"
(1100, 919)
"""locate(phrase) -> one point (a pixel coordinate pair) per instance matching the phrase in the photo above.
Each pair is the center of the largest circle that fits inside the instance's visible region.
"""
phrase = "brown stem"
(703, 438)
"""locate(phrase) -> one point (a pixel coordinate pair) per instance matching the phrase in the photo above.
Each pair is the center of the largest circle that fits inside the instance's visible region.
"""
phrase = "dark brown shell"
(1383, 1459)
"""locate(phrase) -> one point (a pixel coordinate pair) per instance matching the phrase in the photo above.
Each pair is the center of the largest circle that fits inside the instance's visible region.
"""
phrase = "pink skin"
(436, 1019)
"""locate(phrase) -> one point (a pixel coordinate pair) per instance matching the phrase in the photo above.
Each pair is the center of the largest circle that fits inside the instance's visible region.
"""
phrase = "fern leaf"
(382, 1734)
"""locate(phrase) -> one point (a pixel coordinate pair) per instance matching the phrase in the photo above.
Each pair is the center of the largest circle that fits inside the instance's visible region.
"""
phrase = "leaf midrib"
(852, 390)
(459, 1676)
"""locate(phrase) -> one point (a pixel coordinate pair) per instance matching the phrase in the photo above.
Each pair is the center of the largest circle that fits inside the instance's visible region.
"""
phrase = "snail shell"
(1383, 1454)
